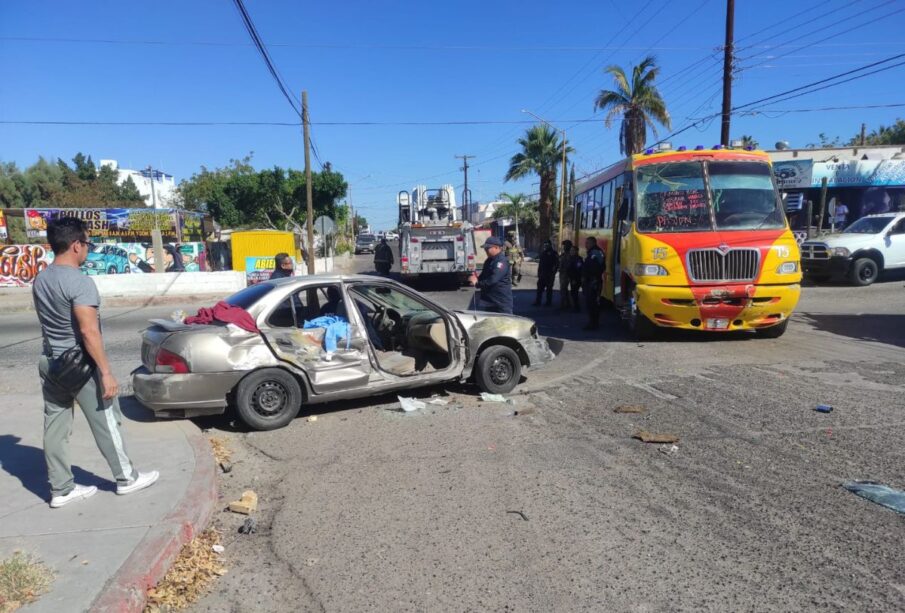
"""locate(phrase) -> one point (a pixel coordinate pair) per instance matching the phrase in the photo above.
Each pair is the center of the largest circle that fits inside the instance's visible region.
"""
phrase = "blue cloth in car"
(336, 328)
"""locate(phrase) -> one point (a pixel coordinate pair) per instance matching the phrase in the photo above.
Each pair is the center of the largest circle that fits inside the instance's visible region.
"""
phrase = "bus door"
(620, 229)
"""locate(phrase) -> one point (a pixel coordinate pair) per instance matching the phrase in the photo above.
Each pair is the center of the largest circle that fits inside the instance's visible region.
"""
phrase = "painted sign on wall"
(258, 269)
(119, 258)
(20, 264)
(3, 232)
(116, 223)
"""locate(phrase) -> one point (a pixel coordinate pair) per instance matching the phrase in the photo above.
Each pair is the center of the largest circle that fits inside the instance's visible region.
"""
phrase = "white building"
(157, 187)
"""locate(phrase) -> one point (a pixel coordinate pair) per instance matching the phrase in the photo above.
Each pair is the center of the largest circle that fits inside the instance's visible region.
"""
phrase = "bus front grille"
(716, 265)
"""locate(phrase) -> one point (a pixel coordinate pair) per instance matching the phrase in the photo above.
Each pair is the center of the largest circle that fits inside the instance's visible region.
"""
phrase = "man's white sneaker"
(79, 492)
(144, 480)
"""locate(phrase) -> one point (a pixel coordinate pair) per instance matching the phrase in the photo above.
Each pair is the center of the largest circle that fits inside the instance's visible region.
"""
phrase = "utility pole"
(562, 190)
(728, 56)
(309, 221)
(863, 133)
(466, 196)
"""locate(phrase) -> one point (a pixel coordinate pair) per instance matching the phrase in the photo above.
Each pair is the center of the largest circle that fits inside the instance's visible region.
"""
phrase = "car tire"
(498, 370)
(111, 270)
(864, 271)
(773, 331)
(268, 399)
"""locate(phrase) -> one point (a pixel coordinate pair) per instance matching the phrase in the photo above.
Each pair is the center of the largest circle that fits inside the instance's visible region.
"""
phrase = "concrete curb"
(126, 591)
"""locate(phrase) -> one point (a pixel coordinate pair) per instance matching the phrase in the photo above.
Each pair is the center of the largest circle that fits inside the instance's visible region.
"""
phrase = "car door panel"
(346, 369)
(895, 245)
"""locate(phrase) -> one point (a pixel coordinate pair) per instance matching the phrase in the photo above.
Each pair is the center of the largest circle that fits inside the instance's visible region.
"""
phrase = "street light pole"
(562, 191)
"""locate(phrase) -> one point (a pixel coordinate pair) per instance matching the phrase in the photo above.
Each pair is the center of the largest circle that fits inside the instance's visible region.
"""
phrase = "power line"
(798, 91)
(293, 124)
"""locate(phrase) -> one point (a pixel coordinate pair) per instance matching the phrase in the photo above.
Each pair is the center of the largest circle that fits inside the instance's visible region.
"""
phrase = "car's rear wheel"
(864, 272)
(268, 399)
(498, 370)
(111, 270)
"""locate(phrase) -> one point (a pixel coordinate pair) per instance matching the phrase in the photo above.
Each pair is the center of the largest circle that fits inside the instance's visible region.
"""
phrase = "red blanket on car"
(224, 313)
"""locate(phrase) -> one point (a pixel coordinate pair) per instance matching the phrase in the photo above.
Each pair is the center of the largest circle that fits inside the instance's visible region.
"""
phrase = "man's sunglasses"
(88, 244)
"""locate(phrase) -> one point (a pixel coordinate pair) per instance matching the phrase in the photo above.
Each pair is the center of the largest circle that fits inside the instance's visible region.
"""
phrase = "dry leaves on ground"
(222, 452)
(22, 580)
(191, 574)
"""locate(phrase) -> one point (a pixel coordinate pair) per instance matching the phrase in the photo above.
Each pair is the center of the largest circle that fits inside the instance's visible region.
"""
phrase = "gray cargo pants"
(104, 419)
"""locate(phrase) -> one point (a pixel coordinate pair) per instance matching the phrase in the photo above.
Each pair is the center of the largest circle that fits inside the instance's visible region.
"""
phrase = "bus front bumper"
(718, 308)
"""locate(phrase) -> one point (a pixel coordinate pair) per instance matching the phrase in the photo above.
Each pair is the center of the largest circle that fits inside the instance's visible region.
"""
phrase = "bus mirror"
(403, 198)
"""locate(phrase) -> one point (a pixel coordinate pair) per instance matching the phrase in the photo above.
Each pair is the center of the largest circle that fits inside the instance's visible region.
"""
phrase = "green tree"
(749, 141)
(238, 196)
(638, 103)
(541, 154)
(883, 135)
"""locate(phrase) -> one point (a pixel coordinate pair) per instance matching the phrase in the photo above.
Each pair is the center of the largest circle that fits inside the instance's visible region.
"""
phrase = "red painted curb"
(127, 590)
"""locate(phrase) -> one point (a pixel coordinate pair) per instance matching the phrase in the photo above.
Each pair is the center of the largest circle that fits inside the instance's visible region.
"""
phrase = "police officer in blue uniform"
(494, 282)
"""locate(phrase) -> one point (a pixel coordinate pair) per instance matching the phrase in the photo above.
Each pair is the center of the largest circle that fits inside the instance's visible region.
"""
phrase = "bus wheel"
(640, 326)
(773, 331)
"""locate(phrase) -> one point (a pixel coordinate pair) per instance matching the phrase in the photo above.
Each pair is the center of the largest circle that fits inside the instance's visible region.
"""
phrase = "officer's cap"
(492, 242)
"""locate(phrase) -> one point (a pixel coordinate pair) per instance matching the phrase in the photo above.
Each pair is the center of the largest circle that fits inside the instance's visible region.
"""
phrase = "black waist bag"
(71, 371)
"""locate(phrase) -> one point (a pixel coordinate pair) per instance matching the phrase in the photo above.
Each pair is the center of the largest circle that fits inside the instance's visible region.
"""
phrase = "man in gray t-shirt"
(67, 304)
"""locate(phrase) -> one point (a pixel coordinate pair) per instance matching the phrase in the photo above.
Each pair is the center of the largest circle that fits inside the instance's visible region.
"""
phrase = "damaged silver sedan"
(377, 336)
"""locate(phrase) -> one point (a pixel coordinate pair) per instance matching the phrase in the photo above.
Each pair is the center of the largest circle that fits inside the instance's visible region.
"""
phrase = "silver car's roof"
(326, 278)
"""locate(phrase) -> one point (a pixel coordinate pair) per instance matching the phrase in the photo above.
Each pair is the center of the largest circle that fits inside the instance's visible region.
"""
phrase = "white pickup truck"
(859, 253)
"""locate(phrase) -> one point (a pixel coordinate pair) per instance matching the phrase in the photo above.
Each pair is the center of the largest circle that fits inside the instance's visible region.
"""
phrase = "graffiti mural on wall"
(119, 258)
(20, 264)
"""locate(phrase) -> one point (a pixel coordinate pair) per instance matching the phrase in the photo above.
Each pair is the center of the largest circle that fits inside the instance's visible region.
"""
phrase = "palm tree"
(748, 141)
(541, 154)
(524, 212)
(638, 103)
(516, 202)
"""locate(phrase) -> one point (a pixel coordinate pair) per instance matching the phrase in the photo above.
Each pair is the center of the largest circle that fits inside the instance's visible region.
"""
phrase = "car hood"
(481, 324)
(850, 241)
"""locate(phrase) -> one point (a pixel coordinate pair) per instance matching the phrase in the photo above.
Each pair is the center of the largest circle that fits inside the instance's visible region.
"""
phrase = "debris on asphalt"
(410, 404)
(23, 579)
(438, 401)
(648, 437)
(629, 408)
(222, 453)
(226, 467)
(879, 493)
(312, 418)
(190, 575)
(246, 505)
(519, 513)
(249, 526)
(218, 548)
(669, 450)
(494, 398)
(823, 408)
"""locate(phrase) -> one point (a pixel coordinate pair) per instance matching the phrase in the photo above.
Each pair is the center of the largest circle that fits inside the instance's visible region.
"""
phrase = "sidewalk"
(107, 550)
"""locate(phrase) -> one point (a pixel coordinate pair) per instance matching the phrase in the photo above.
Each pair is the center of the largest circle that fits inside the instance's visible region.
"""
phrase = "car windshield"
(247, 297)
(868, 225)
(366, 238)
(743, 196)
(673, 197)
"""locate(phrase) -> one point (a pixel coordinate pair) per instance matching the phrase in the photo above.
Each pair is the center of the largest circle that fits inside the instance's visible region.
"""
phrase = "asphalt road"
(469, 507)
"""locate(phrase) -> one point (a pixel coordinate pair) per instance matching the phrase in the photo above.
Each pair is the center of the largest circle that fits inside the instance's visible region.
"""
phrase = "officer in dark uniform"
(494, 282)
(592, 281)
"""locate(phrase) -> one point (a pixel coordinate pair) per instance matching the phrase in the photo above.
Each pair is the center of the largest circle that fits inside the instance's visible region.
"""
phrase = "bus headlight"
(649, 270)
(787, 268)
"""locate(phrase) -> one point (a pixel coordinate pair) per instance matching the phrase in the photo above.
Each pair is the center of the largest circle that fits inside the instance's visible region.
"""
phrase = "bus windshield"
(673, 197)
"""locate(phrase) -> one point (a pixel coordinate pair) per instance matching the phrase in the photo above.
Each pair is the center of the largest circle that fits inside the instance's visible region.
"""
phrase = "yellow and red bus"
(694, 239)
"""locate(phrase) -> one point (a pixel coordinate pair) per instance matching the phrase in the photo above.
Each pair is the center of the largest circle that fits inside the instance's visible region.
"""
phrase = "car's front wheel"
(864, 271)
(498, 370)
(268, 399)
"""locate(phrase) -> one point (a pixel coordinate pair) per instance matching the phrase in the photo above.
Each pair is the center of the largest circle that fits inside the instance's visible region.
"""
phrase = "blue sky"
(424, 61)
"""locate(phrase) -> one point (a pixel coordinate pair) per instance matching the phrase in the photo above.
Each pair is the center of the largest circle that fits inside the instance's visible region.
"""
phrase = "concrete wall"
(170, 284)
